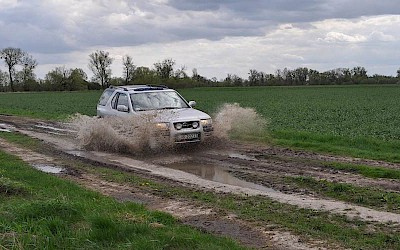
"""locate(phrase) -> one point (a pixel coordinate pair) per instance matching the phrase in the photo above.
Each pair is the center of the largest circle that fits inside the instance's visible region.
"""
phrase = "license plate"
(185, 137)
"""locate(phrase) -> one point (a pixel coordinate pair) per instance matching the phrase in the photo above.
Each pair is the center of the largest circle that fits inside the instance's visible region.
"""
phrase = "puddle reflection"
(48, 168)
(217, 174)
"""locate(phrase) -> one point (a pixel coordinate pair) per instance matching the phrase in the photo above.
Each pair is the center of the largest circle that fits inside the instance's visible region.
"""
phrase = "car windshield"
(157, 100)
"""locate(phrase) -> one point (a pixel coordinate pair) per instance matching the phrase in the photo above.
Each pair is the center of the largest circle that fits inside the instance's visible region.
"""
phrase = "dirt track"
(230, 167)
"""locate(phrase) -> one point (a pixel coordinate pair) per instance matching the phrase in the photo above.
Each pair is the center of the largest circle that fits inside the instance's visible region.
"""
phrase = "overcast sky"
(217, 37)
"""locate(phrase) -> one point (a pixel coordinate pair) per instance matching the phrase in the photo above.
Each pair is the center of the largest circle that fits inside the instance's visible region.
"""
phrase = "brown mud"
(223, 166)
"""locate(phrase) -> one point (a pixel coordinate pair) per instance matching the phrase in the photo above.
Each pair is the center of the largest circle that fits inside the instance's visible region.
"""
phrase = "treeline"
(305, 76)
(20, 75)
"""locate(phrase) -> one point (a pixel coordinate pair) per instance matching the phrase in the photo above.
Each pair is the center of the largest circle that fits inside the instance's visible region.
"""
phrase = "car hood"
(176, 115)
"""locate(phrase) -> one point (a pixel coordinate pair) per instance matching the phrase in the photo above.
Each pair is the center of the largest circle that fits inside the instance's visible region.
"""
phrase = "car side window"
(123, 100)
(105, 96)
(119, 99)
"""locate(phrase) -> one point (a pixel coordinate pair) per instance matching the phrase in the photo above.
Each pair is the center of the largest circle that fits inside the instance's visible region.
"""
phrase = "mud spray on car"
(133, 135)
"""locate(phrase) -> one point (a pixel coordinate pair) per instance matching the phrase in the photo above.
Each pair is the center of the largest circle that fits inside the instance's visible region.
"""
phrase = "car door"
(118, 101)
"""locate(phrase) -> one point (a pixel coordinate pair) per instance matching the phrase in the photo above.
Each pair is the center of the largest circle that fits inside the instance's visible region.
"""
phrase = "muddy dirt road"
(224, 167)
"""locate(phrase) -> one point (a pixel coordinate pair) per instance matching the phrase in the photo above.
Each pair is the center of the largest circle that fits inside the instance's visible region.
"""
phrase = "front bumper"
(186, 135)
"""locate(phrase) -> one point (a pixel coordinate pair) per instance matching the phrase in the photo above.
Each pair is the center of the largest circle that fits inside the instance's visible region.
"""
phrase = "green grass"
(9, 187)
(49, 105)
(359, 121)
(361, 147)
(367, 171)
(40, 211)
(23, 140)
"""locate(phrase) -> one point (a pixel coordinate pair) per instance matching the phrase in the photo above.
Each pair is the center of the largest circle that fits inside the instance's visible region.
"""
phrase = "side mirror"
(122, 108)
(192, 104)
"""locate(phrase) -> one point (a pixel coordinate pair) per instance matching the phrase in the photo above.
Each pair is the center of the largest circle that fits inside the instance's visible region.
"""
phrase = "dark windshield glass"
(157, 100)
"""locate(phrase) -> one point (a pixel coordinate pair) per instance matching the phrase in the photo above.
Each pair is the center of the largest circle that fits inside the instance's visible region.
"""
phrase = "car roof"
(139, 88)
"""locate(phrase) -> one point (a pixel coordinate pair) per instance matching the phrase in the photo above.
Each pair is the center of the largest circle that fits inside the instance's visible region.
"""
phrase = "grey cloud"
(33, 29)
(293, 10)
(36, 27)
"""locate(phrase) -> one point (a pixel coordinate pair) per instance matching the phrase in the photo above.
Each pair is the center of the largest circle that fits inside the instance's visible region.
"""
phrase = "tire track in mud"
(271, 171)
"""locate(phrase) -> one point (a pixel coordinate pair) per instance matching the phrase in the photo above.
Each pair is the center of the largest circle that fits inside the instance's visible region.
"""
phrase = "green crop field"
(353, 120)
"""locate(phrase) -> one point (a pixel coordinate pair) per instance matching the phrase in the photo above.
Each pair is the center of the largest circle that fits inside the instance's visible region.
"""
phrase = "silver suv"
(175, 120)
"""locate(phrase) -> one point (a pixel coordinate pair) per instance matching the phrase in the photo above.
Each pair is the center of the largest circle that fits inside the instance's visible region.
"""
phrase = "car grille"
(185, 124)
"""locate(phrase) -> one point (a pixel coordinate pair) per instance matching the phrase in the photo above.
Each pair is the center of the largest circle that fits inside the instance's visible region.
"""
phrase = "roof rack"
(140, 87)
(159, 86)
(149, 88)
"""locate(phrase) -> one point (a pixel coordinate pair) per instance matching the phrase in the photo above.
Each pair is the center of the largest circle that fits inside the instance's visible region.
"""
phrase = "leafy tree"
(12, 57)
(62, 78)
(77, 79)
(314, 77)
(233, 80)
(359, 72)
(117, 81)
(398, 73)
(57, 78)
(99, 64)
(129, 68)
(165, 68)
(144, 75)
(301, 75)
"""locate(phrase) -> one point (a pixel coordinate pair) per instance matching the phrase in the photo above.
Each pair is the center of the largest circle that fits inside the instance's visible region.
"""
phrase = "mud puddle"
(51, 169)
(53, 130)
(215, 173)
(6, 128)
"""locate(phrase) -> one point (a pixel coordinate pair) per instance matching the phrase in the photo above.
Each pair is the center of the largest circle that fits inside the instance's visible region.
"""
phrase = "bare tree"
(165, 69)
(12, 57)
(129, 68)
(99, 64)
(28, 65)
(181, 73)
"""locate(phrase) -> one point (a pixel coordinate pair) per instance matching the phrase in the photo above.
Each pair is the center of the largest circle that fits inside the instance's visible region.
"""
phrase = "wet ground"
(229, 167)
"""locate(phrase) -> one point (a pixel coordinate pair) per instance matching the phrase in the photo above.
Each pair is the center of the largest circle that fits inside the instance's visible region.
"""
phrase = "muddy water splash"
(117, 134)
(133, 134)
(231, 119)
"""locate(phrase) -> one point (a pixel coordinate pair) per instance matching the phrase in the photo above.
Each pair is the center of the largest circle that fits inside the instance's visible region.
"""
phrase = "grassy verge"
(40, 211)
(367, 171)
(23, 140)
(369, 197)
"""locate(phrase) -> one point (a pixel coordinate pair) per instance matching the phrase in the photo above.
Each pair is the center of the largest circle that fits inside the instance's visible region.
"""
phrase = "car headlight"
(178, 126)
(162, 125)
(206, 122)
